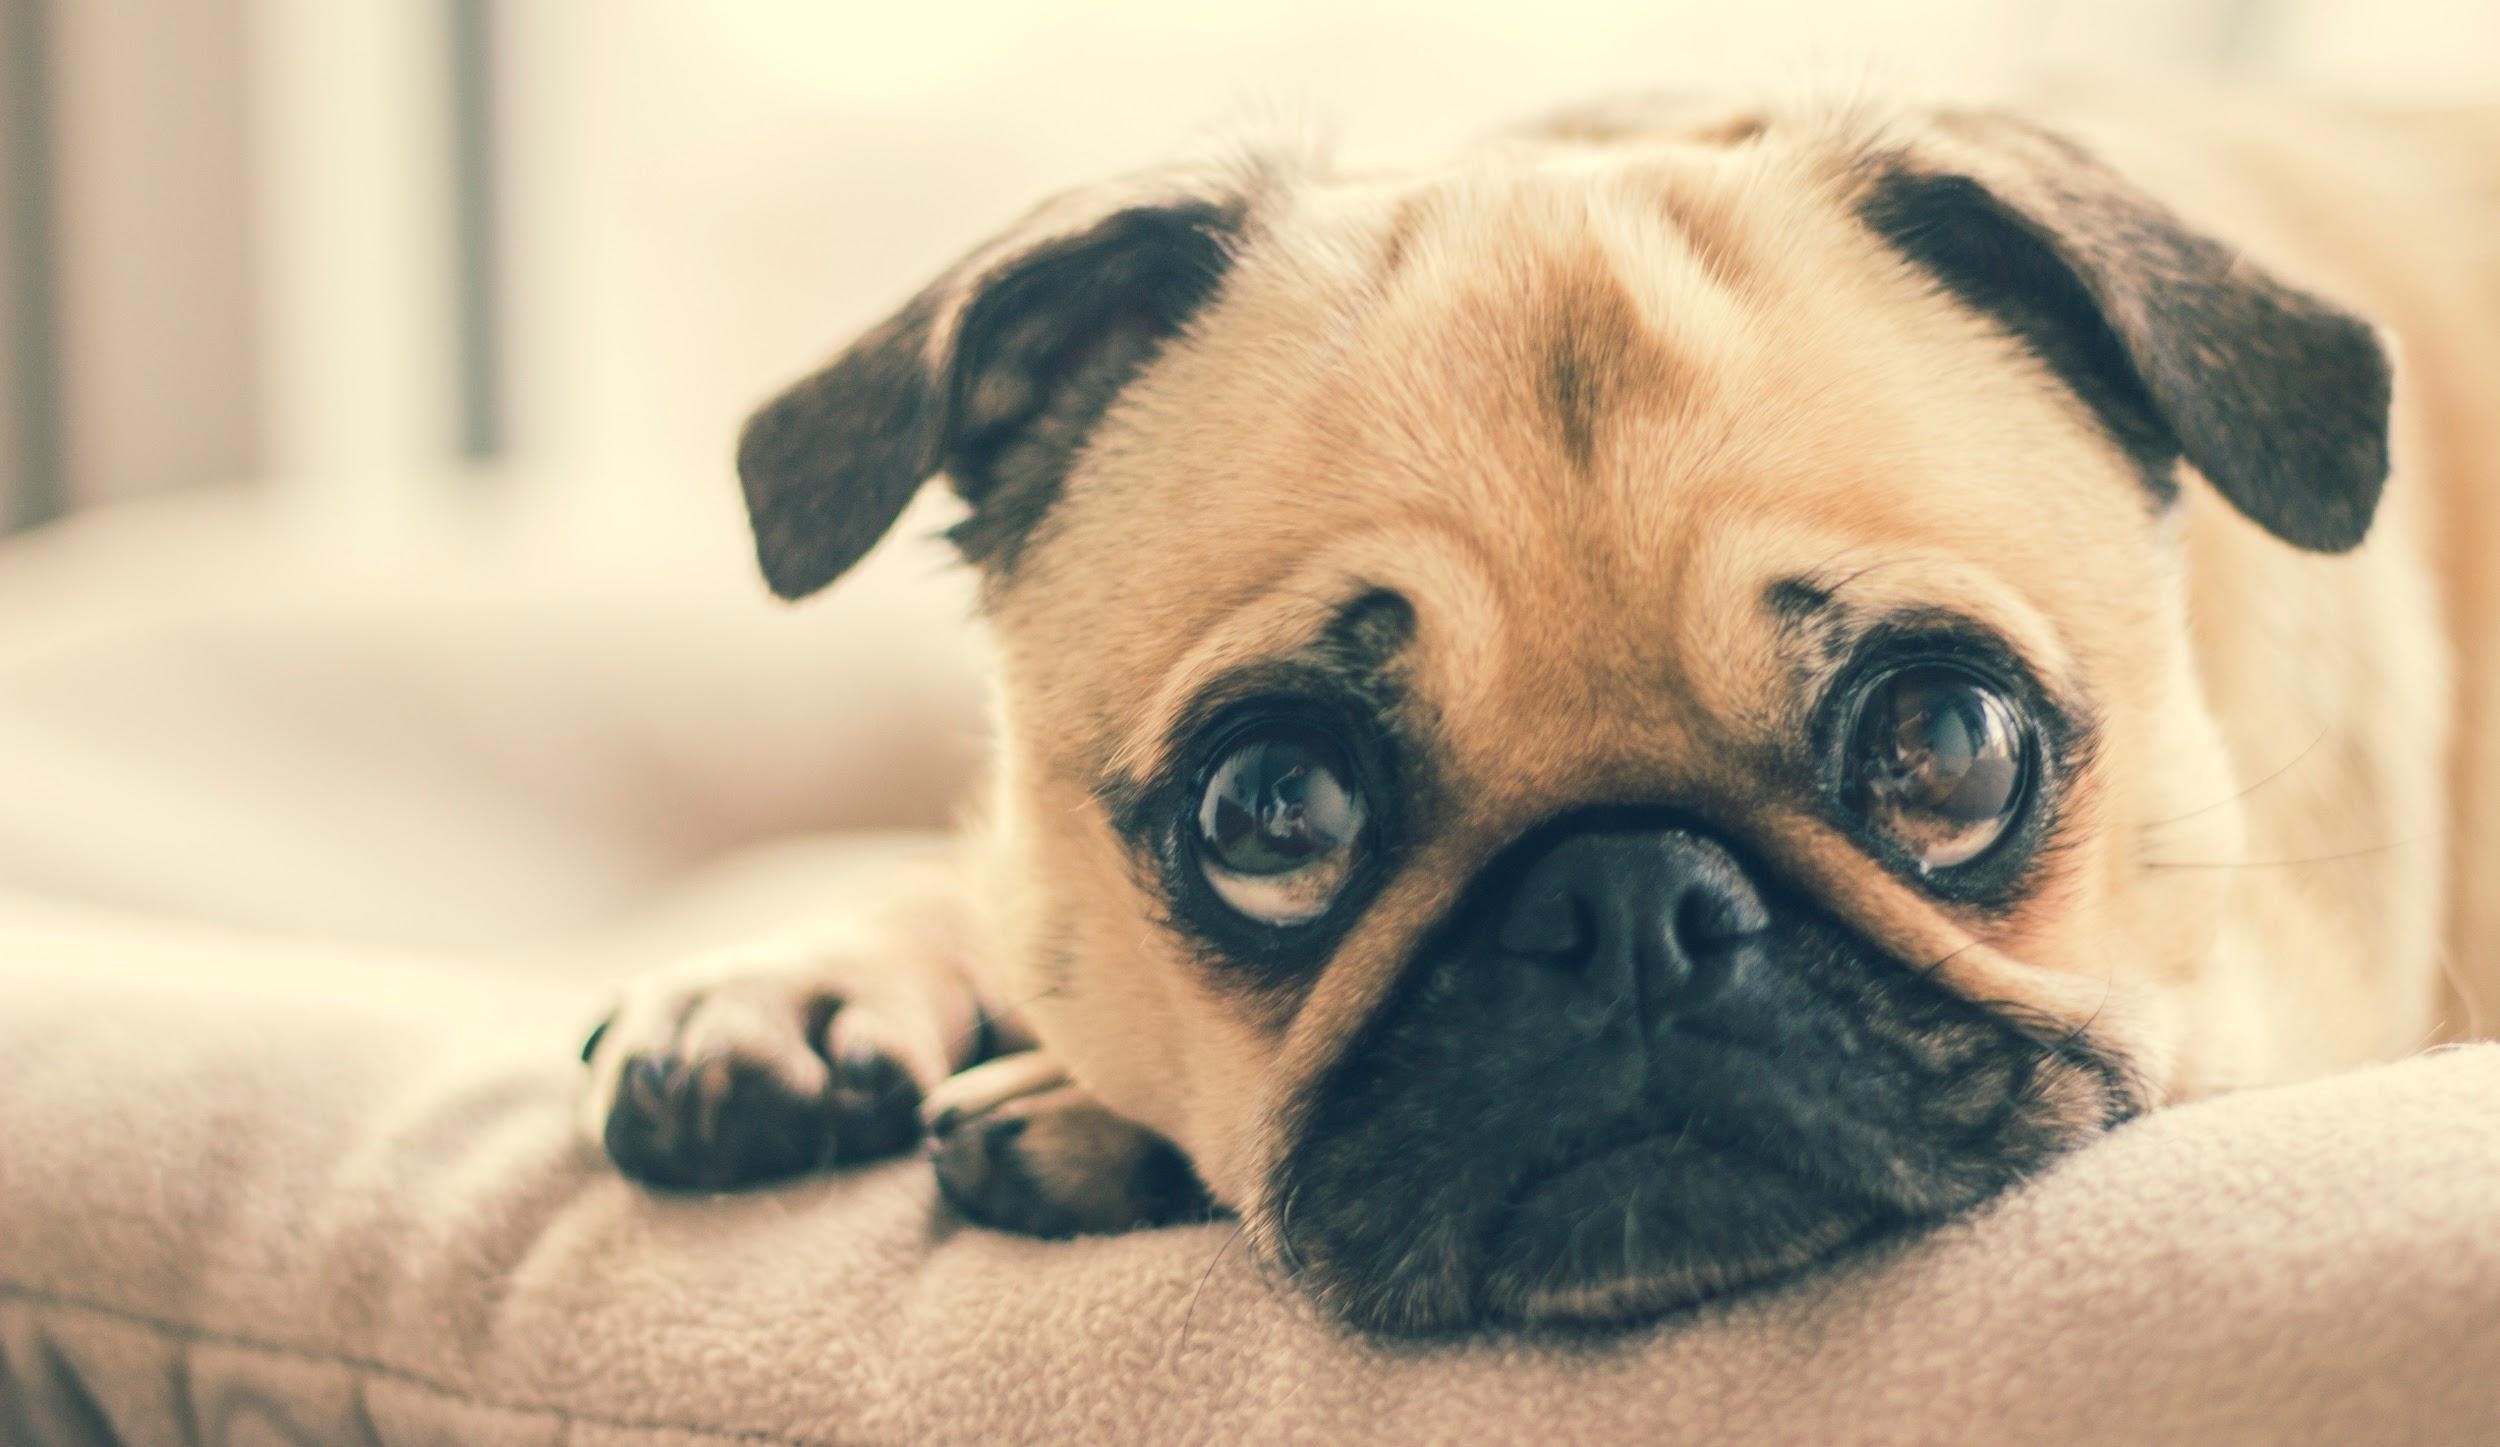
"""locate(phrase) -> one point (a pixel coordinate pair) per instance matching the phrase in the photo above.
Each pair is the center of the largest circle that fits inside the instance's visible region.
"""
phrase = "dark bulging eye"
(1937, 763)
(1280, 824)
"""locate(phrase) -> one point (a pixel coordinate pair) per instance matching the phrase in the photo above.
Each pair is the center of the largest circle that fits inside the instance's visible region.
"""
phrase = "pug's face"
(1573, 729)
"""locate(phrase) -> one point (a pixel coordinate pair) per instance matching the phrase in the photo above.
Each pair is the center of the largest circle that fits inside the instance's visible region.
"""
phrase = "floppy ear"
(995, 374)
(2181, 346)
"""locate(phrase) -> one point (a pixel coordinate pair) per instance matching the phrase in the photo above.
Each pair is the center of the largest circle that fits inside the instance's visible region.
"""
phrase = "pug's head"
(1571, 727)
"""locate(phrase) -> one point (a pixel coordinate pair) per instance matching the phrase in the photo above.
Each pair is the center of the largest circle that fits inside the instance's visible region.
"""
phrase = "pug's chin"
(1658, 1224)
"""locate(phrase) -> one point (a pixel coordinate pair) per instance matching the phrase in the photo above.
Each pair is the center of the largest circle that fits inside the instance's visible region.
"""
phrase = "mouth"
(1660, 1223)
(1495, 1148)
(1423, 1240)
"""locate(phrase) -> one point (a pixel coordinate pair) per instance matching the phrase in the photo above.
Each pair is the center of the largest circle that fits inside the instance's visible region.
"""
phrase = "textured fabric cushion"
(318, 1195)
(311, 879)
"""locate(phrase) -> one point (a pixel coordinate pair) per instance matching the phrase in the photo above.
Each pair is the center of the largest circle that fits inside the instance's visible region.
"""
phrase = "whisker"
(2109, 982)
(1841, 584)
(1191, 1315)
(1929, 969)
(1281, 1238)
(2294, 762)
(2467, 996)
(2277, 863)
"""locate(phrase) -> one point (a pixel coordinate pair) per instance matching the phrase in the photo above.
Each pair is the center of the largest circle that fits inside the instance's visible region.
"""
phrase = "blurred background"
(370, 560)
(372, 256)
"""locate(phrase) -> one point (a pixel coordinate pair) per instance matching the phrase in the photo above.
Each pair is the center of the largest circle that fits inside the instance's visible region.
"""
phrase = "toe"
(876, 1105)
(713, 1124)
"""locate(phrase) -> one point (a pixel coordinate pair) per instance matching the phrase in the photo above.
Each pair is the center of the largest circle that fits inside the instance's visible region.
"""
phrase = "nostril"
(1716, 932)
(1708, 922)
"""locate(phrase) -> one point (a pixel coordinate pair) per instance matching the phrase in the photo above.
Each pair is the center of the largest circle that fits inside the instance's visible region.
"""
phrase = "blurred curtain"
(180, 279)
(133, 297)
(30, 470)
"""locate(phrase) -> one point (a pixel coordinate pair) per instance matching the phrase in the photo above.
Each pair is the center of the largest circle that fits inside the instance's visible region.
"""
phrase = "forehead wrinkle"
(1910, 927)
(1562, 298)
(1600, 355)
(1387, 427)
(1424, 560)
(1648, 325)
(1702, 197)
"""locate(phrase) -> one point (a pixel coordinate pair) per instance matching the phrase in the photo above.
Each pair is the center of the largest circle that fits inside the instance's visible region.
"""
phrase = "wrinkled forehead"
(1587, 412)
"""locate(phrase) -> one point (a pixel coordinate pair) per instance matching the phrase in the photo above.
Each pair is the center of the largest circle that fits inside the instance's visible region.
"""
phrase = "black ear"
(2181, 346)
(994, 375)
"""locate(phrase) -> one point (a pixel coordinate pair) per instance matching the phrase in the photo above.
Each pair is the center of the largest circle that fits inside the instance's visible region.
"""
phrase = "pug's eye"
(1280, 824)
(1937, 763)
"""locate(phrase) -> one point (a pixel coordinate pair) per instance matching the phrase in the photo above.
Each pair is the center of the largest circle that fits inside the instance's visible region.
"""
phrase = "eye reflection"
(1279, 825)
(1937, 763)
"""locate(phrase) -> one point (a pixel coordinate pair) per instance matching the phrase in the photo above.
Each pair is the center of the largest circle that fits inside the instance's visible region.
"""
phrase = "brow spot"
(1796, 599)
(1596, 351)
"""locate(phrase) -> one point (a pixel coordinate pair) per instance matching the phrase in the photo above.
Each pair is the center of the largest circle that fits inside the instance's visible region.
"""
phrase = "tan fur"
(2257, 886)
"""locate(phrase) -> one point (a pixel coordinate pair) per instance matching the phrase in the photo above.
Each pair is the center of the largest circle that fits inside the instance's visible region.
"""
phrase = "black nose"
(1666, 912)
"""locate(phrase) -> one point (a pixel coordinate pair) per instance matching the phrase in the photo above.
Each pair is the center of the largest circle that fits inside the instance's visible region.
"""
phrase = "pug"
(1589, 726)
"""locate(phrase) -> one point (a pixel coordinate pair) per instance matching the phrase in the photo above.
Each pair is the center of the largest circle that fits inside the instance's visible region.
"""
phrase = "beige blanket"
(254, 1194)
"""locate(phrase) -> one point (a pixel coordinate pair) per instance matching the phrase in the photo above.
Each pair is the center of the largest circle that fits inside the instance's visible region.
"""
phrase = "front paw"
(1052, 1162)
(737, 1073)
